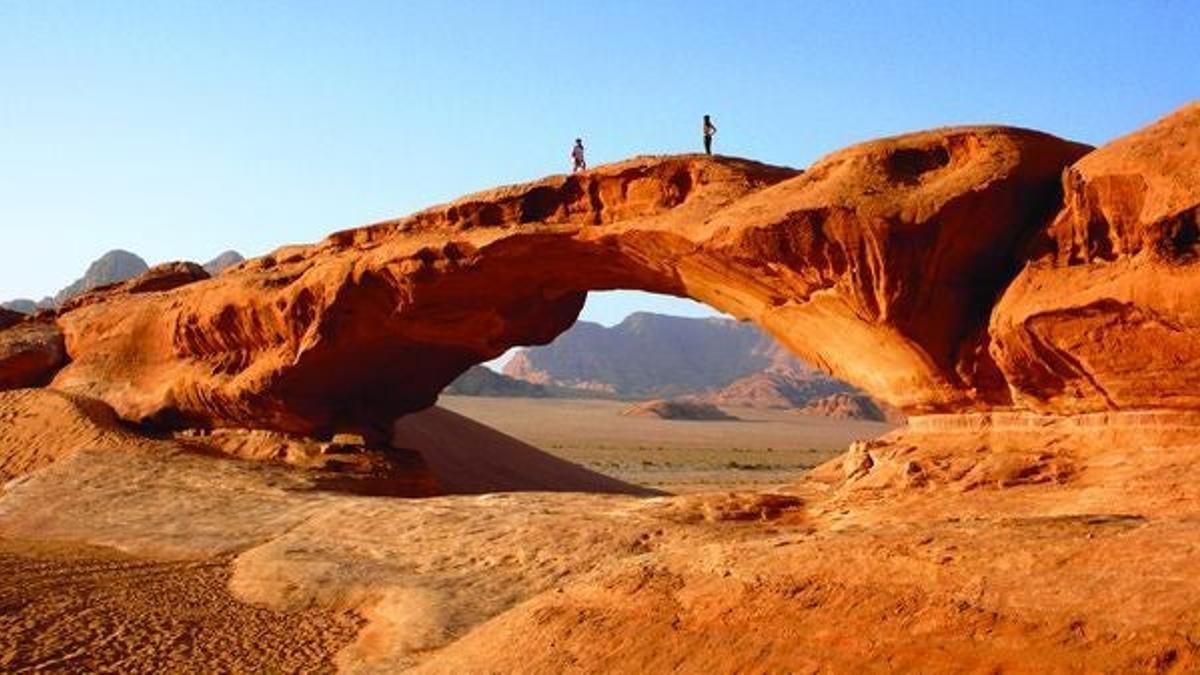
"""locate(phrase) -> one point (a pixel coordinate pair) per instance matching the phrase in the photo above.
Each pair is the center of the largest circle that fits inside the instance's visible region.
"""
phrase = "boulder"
(31, 351)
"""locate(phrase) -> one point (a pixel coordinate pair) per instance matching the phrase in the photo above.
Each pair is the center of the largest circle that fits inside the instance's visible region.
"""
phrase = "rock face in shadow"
(466, 457)
(31, 351)
(890, 264)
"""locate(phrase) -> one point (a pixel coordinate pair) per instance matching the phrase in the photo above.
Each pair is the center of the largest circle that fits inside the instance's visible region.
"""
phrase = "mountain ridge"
(114, 266)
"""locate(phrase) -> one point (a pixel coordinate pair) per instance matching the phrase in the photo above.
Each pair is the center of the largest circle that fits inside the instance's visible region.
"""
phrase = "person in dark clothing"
(709, 131)
(577, 156)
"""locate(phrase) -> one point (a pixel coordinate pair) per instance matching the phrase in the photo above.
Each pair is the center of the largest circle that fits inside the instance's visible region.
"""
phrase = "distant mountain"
(652, 356)
(26, 306)
(110, 268)
(849, 407)
(776, 387)
(219, 263)
(483, 381)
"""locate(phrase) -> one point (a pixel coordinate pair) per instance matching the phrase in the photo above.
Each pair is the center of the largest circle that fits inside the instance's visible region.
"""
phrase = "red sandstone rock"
(162, 277)
(880, 264)
(372, 323)
(30, 352)
(1106, 316)
(9, 318)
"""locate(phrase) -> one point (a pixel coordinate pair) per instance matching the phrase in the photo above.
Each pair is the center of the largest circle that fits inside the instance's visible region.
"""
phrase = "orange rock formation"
(31, 350)
(1104, 316)
(890, 264)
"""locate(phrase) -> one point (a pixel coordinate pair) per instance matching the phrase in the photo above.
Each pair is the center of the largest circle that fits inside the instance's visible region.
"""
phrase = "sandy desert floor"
(956, 545)
(77, 608)
(762, 449)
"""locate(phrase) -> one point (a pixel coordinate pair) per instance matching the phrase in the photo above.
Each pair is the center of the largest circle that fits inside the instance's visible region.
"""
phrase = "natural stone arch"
(880, 263)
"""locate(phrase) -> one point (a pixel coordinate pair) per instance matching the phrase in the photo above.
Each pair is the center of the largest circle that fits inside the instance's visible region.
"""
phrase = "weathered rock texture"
(882, 263)
(162, 277)
(1106, 317)
(30, 351)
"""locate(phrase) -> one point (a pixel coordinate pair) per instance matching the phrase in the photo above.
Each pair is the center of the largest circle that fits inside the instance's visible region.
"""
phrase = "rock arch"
(880, 263)
(942, 271)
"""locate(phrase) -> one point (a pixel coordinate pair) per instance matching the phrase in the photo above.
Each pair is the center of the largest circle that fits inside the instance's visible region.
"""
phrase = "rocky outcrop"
(159, 278)
(776, 387)
(845, 407)
(9, 317)
(890, 264)
(30, 351)
(374, 322)
(677, 410)
(20, 305)
(1105, 316)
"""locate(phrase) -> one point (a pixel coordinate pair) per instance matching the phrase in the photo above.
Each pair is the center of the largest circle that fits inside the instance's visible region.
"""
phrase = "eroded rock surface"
(30, 351)
(1105, 316)
(879, 264)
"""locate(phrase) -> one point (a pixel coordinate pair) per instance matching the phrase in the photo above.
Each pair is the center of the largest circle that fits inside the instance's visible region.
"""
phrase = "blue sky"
(179, 129)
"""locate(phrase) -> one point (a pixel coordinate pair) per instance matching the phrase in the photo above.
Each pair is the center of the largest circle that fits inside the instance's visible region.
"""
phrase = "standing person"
(577, 156)
(709, 130)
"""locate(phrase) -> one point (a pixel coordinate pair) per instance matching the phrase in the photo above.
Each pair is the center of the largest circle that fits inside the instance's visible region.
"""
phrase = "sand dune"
(470, 458)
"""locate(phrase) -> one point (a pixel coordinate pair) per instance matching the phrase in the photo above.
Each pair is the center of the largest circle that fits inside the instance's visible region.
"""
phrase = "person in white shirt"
(709, 131)
(577, 156)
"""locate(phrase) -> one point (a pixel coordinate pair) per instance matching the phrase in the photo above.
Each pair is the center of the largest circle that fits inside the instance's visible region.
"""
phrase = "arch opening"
(672, 395)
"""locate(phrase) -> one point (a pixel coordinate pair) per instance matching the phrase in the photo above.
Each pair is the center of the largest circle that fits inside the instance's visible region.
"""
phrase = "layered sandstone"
(880, 264)
(1105, 316)
(372, 323)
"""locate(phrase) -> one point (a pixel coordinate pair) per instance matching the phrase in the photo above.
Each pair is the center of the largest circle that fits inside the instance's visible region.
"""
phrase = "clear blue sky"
(179, 129)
